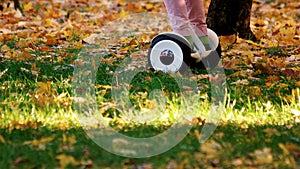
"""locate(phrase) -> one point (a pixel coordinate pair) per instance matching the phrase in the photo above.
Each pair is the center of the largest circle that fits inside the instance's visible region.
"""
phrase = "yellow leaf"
(149, 6)
(22, 43)
(283, 86)
(104, 86)
(64, 138)
(288, 33)
(297, 84)
(68, 33)
(122, 2)
(5, 48)
(28, 6)
(44, 94)
(47, 139)
(2, 140)
(254, 43)
(292, 147)
(227, 41)
(269, 84)
(197, 134)
(123, 13)
(40, 144)
(283, 148)
(49, 22)
(70, 139)
(65, 160)
(34, 69)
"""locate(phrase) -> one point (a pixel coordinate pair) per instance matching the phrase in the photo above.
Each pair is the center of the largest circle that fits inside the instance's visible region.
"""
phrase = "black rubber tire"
(209, 62)
(185, 47)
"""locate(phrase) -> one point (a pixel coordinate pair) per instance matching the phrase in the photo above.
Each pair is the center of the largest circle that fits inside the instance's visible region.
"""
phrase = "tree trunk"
(17, 5)
(227, 17)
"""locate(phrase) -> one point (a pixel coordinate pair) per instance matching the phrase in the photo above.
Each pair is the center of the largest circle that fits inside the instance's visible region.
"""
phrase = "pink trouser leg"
(196, 14)
(185, 12)
(178, 16)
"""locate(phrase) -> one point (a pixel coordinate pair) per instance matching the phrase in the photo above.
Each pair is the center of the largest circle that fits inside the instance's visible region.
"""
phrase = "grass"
(253, 125)
(257, 126)
(232, 142)
(258, 120)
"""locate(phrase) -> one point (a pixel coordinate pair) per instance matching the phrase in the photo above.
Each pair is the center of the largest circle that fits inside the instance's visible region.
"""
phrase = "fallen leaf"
(44, 95)
(283, 148)
(297, 84)
(211, 149)
(149, 6)
(40, 144)
(172, 165)
(65, 160)
(264, 68)
(28, 6)
(26, 56)
(292, 73)
(263, 156)
(2, 139)
(237, 162)
(240, 82)
(271, 132)
(20, 160)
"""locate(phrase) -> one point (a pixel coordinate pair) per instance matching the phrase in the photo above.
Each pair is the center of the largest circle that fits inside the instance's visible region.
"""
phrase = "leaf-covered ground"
(39, 50)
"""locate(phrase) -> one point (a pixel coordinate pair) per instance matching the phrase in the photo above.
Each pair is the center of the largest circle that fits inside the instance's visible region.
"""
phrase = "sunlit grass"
(22, 102)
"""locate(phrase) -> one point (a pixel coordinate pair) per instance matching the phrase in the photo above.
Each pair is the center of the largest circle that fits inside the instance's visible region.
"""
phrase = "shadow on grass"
(230, 146)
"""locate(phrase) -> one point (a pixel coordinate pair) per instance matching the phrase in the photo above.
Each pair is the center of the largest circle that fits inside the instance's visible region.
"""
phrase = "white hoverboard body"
(169, 51)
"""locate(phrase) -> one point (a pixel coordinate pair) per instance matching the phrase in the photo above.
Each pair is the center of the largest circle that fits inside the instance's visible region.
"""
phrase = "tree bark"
(227, 17)
(17, 5)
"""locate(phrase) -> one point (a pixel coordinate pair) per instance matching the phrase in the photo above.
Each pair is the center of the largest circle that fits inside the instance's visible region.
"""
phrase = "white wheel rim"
(162, 46)
(213, 39)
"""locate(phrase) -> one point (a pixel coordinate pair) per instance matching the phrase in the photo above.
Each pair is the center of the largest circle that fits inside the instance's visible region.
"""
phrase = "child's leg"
(177, 12)
(196, 15)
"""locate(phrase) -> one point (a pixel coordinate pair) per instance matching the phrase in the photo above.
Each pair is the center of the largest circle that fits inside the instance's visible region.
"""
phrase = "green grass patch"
(230, 146)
